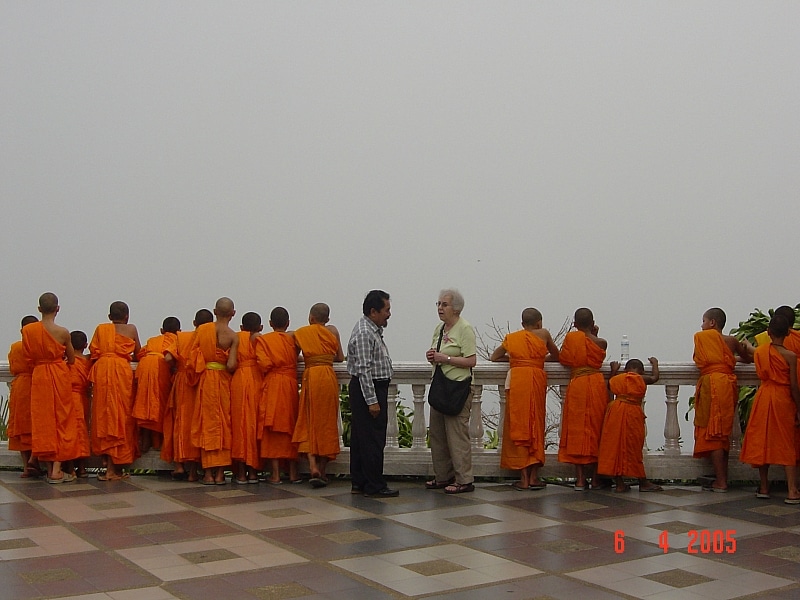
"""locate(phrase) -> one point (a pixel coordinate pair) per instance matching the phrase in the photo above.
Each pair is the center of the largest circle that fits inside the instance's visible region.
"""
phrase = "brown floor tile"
(206, 496)
(19, 515)
(582, 506)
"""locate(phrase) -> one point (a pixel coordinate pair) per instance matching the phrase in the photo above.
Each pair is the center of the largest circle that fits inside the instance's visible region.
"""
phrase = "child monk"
(276, 353)
(213, 360)
(245, 395)
(153, 382)
(19, 404)
(716, 395)
(112, 348)
(55, 436)
(526, 396)
(585, 403)
(770, 434)
(178, 446)
(317, 430)
(79, 379)
(622, 439)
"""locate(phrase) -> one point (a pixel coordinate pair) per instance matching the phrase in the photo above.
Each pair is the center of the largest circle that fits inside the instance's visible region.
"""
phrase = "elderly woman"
(449, 435)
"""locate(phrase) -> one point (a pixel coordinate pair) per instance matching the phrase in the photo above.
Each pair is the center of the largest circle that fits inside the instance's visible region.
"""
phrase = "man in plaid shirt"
(370, 368)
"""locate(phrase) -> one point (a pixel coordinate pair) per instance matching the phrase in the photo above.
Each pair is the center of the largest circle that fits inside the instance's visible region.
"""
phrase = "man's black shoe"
(384, 493)
(356, 490)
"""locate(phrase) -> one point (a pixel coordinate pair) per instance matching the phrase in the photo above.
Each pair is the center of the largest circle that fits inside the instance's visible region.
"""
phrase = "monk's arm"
(69, 351)
(232, 354)
(654, 374)
(552, 349)
(793, 378)
(614, 371)
(339, 357)
(499, 354)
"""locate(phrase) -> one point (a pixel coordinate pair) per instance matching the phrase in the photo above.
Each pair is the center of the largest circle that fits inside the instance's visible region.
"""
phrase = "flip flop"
(279, 482)
(792, 501)
(519, 488)
(761, 496)
(579, 488)
(52, 481)
(716, 490)
(653, 488)
(212, 482)
(317, 482)
(537, 486)
(625, 489)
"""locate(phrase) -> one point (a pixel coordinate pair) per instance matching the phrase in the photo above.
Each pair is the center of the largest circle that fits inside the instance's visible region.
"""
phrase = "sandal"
(537, 486)
(624, 490)
(651, 488)
(438, 485)
(519, 488)
(459, 488)
(318, 482)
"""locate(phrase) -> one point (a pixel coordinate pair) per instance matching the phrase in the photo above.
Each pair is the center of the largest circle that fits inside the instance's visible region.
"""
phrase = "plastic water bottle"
(625, 350)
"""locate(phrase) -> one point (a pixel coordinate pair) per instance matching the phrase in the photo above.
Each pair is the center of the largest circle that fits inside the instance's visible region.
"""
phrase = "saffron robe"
(153, 382)
(792, 343)
(180, 408)
(79, 382)
(523, 427)
(279, 402)
(19, 399)
(585, 402)
(113, 428)
(55, 432)
(770, 434)
(716, 393)
(317, 429)
(622, 440)
(245, 395)
(211, 424)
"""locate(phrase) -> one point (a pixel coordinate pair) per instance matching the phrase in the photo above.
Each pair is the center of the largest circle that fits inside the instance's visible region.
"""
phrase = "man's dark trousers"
(367, 437)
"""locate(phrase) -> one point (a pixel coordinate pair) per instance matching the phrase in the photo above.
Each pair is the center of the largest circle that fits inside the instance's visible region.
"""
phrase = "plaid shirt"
(368, 357)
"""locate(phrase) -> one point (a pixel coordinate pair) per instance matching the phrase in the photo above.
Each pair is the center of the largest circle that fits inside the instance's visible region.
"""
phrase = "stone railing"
(673, 462)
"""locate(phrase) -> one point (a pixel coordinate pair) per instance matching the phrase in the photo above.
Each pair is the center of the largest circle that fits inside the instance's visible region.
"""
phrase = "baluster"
(476, 419)
(562, 393)
(736, 432)
(392, 431)
(672, 428)
(419, 429)
(501, 419)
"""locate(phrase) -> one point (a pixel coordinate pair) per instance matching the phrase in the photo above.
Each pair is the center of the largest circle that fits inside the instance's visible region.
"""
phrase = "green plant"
(492, 440)
(3, 418)
(404, 416)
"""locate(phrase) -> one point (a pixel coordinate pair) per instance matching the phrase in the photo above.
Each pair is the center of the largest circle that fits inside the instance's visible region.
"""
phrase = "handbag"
(445, 395)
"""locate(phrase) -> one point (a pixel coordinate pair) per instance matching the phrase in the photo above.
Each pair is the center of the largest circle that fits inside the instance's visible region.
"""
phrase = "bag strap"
(441, 334)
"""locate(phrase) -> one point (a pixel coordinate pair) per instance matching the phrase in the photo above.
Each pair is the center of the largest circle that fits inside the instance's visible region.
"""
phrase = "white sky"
(639, 158)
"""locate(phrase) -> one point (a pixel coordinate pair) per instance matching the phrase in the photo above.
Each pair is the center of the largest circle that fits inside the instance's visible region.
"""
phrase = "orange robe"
(245, 395)
(523, 428)
(54, 418)
(153, 381)
(585, 402)
(19, 399)
(317, 429)
(770, 434)
(180, 407)
(79, 381)
(622, 441)
(792, 342)
(278, 406)
(113, 427)
(211, 424)
(716, 394)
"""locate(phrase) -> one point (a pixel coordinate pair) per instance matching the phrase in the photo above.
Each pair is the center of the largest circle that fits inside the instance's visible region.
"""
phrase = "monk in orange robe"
(19, 404)
(153, 383)
(622, 439)
(586, 399)
(526, 397)
(276, 354)
(770, 434)
(113, 346)
(54, 422)
(212, 361)
(178, 415)
(317, 429)
(716, 395)
(79, 380)
(245, 395)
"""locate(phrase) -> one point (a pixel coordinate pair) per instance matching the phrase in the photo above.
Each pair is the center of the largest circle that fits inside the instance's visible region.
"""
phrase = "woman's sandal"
(459, 488)
(438, 485)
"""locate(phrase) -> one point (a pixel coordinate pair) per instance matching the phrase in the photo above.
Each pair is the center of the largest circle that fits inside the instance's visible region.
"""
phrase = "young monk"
(245, 395)
(19, 404)
(586, 399)
(79, 379)
(716, 394)
(317, 429)
(55, 436)
(526, 396)
(622, 440)
(153, 383)
(770, 434)
(178, 446)
(213, 360)
(276, 353)
(112, 348)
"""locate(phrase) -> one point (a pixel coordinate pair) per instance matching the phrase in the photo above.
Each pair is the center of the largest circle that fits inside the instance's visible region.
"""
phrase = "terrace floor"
(150, 538)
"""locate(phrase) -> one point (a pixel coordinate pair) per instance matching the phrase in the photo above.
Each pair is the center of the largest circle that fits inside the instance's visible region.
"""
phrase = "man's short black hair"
(374, 299)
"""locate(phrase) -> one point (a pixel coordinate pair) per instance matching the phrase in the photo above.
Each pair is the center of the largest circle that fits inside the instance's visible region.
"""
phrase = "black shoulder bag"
(445, 395)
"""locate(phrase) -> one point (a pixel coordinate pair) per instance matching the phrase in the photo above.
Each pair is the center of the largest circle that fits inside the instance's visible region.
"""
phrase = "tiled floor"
(154, 539)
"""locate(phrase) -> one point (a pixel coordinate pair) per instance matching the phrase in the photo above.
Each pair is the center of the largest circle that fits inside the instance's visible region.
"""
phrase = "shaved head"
(171, 325)
(251, 322)
(203, 316)
(583, 318)
(634, 365)
(48, 303)
(118, 311)
(27, 320)
(787, 312)
(224, 307)
(531, 316)
(718, 316)
(279, 317)
(321, 312)
(79, 340)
